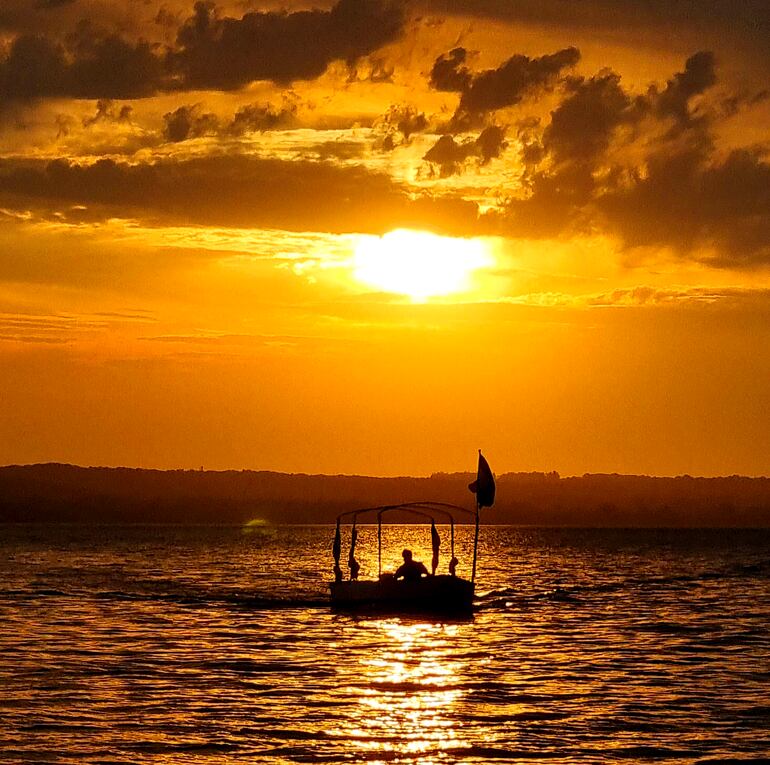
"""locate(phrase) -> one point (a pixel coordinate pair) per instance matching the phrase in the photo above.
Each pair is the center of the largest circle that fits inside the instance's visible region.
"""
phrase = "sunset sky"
(372, 236)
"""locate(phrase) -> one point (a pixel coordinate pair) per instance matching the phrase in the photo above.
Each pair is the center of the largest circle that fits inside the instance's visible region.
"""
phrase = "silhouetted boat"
(441, 593)
(434, 593)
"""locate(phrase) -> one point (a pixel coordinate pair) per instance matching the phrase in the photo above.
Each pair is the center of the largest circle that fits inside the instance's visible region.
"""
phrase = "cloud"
(47, 329)
(105, 112)
(227, 53)
(188, 122)
(450, 154)
(747, 20)
(582, 125)
(449, 72)
(697, 77)
(407, 120)
(236, 191)
(191, 121)
(492, 89)
(92, 66)
(673, 296)
(491, 143)
(513, 79)
(53, 16)
(26, 14)
(397, 126)
(259, 117)
(689, 201)
(212, 51)
(646, 169)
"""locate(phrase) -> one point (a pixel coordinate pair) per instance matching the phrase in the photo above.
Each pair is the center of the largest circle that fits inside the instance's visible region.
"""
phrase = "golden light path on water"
(411, 686)
(210, 645)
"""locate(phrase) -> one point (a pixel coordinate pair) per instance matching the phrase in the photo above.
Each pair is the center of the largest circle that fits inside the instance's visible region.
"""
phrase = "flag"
(484, 485)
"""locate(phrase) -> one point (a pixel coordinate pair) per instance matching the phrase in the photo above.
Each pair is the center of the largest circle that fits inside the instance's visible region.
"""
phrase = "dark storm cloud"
(407, 120)
(674, 101)
(260, 117)
(582, 125)
(686, 201)
(212, 51)
(17, 15)
(188, 122)
(676, 192)
(449, 72)
(231, 191)
(513, 79)
(191, 121)
(492, 89)
(92, 66)
(450, 155)
(227, 53)
(107, 111)
(749, 19)
(399, 124)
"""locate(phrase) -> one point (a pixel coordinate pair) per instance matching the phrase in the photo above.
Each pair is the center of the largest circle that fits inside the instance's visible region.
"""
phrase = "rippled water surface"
(216, 645)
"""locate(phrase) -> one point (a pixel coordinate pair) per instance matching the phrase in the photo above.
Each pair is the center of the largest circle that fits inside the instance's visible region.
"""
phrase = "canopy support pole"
(475, 544)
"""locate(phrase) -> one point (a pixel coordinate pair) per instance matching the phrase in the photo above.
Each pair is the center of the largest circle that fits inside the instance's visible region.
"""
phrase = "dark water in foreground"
(213, 645)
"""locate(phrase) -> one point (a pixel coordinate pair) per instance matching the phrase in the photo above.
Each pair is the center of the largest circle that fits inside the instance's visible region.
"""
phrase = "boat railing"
(425, 509)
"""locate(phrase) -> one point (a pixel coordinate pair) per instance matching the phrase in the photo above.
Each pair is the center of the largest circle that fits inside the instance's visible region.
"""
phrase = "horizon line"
(553, 473)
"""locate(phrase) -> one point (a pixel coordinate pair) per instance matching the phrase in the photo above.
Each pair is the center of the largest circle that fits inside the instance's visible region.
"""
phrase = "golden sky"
(372, 236)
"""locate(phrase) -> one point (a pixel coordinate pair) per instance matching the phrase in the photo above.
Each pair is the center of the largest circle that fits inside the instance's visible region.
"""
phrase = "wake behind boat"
(411, 588)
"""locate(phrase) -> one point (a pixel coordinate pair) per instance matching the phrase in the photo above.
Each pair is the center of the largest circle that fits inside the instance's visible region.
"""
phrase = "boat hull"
(431, 594)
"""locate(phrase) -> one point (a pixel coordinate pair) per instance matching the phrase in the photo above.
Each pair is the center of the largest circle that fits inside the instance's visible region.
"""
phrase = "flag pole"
(484, 489)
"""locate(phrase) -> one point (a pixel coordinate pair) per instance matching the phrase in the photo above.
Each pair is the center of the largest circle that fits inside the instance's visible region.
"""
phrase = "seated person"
(411, 570)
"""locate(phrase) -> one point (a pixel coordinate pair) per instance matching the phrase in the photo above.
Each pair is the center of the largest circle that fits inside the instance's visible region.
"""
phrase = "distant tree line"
(66, 493)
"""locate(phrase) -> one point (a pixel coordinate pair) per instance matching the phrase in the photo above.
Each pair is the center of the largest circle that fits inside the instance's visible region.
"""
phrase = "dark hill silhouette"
(66, 493)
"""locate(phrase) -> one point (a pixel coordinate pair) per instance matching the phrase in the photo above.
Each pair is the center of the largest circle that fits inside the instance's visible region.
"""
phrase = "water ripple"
(172, 644)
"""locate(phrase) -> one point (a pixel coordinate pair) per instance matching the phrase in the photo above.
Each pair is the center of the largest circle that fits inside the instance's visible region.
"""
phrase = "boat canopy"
(429, 511)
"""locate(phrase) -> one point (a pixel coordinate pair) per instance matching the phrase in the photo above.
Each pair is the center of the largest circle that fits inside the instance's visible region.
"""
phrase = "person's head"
(407, 555)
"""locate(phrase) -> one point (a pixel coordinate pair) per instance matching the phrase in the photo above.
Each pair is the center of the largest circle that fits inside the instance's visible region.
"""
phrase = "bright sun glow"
(417, 263)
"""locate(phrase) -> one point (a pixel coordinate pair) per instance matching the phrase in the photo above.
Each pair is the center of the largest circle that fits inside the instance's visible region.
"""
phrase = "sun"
(417, 263)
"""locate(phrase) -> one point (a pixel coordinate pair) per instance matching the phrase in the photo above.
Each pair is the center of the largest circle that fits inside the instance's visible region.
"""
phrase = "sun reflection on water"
(410, 689)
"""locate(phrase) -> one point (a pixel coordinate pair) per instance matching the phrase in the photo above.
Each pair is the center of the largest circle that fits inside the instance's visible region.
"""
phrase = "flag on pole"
(484, 485)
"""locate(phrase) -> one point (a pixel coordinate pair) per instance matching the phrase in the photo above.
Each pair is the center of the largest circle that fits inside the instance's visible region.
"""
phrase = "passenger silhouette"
(411, 570)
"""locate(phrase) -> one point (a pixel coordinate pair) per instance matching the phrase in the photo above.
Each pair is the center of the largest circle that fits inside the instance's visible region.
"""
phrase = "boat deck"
(431, 594)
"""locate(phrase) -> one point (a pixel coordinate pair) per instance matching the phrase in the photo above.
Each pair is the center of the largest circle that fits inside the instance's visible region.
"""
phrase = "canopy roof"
(441, 511)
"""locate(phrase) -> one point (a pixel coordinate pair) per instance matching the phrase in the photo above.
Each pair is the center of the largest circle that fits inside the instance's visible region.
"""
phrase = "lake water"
(170, 644)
